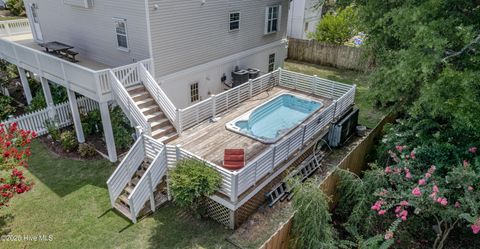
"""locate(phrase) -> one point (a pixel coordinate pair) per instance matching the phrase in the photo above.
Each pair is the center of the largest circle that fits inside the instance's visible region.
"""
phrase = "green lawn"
(369, 116)
(70, 201)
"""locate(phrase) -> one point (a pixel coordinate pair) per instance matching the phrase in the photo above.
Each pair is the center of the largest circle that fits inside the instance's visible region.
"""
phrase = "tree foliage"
(337, 27)
(191, 181)
(16, 7)
(427, 56)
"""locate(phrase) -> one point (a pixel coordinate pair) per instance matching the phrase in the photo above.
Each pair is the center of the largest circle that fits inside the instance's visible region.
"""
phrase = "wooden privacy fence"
(325, 54)
(36, 121)
(354, 162)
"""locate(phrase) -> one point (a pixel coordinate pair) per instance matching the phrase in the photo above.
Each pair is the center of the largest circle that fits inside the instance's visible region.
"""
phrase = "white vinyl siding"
(194, 34)
(92, 31)
(121, 33)
(272, 19)
(234, 23)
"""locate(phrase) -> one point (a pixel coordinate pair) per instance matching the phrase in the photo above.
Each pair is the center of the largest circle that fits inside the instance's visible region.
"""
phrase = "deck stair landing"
(162, 129)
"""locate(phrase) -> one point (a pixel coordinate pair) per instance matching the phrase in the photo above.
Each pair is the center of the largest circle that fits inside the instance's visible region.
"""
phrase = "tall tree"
(427, 55)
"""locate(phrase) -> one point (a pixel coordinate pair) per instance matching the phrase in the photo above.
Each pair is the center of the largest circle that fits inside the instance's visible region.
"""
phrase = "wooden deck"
(27, 40)
(208, 140)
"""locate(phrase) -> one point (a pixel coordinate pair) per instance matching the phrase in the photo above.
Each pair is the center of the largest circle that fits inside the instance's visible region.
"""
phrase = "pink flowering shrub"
(414, 189)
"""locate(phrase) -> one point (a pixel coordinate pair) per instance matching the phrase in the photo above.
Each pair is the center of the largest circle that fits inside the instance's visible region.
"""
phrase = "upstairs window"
(272, 19)
(194, 96)
(271, 62)
(121, 33)
(234, 21)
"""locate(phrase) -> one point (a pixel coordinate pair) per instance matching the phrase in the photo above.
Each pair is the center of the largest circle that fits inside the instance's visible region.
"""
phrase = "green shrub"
(38, 102)
(52, 130)
(6, 108)
(191, 181)
(92, 122)
(86, 150)
(16, 7)
(68, 141)
(337, 28)
(59, 95)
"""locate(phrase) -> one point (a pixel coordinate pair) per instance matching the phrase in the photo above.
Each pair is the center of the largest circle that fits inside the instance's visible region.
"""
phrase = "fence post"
(233, 195)
(214, 103)
(314, 82)
(179, 121)
(279, 75)
(274, 152)
(178, 152)
(333, 90)
(132, 211)
(250, 90)
(334, 109)
(7, 28)
(304, 129)
(151, 188)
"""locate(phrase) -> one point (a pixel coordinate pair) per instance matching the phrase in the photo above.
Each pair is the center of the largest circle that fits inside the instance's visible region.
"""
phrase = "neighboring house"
(2, 4)
(303, 18)
(168, 64)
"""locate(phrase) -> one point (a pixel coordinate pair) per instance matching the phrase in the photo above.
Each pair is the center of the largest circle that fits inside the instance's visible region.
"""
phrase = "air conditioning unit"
(80, 3)
(341, 131)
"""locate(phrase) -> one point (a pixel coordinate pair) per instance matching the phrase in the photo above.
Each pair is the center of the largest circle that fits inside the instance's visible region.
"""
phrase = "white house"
(303, 17)
(185, 74)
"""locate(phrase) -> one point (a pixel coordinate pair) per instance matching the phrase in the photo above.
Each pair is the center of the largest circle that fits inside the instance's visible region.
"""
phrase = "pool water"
(275, 118)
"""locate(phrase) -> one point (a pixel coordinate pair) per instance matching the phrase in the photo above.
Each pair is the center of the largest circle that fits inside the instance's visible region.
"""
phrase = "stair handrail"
(125, 170)
(158, 95)
(145, 188)
(127, 104)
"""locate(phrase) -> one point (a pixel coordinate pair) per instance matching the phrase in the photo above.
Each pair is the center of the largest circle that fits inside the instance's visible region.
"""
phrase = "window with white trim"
(121, 33)
(194, 96)
(234, 21)
(271, 62)
(272, 19)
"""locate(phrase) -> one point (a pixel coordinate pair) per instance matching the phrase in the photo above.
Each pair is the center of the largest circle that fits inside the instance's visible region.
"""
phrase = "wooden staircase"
(162, 128)
(122, 204)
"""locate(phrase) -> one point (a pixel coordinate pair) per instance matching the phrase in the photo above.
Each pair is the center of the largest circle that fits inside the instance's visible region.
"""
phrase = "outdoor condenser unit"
(341, 131)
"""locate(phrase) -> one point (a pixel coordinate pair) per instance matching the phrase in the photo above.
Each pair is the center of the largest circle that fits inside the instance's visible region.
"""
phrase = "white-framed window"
(272, 19)
(194, 96)
(271, 62)
(234, 23)
(121, 33)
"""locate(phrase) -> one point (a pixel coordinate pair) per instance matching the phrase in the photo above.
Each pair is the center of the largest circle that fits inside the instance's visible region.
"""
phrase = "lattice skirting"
(219, 213)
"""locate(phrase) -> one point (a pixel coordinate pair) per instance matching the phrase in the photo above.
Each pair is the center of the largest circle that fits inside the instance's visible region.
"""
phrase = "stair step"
(140, 95)
(145, 103)
(160, 123)
(168, 138)
(155, 116)
(158, 133)
(124, 199)
(147, 110)
(123, 209)
(134, 181)
(136, 89)
(129, 189)
(140, 172)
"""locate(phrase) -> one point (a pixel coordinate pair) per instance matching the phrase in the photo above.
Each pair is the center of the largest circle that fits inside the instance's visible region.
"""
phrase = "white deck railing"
(125, 170)
(127, 104)
(224, 101)
(14, 27)
(146, 187)
(158, 95)
(236, 183)
(36, 121)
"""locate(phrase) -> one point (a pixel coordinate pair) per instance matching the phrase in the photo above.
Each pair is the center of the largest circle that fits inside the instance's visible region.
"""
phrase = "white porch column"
(108, 131)
(72, 100)
(48, 97)
(26, 87)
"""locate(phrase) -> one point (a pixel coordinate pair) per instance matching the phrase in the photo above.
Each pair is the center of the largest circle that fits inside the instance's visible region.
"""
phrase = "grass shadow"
(64, 176)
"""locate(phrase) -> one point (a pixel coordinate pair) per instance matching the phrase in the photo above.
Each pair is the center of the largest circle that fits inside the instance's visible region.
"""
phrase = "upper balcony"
(87, 77)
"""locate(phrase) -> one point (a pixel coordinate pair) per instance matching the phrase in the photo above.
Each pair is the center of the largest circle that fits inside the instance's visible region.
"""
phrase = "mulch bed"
(57, 149)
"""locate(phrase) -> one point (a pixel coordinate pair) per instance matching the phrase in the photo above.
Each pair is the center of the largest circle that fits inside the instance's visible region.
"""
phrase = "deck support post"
(72, 100)
(26, 88)
(48, 98)
(108, 131)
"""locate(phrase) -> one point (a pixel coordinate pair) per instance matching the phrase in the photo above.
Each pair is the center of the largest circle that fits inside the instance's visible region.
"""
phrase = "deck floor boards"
(208, 140)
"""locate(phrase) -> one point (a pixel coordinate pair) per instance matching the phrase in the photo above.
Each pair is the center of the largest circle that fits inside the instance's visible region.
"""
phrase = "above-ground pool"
(273, 119)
